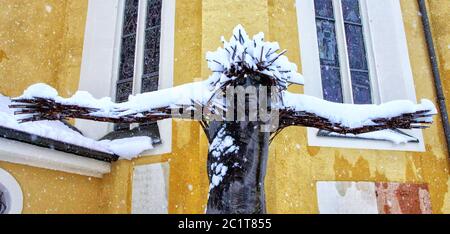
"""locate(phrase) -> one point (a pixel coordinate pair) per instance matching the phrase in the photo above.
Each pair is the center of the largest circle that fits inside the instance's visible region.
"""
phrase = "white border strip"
(14, 190)
(35, 156)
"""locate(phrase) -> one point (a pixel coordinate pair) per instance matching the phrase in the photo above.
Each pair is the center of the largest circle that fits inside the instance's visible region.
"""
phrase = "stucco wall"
(38, 45)
(294, 168)
(440, 10)
(41, 41)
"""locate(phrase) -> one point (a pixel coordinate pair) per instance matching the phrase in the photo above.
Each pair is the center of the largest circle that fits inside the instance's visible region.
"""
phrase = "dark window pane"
(3, 204)
(128, 46)
(328, 50)
(361, 88)
(324, 8)
(152, 50)
(124, 86)
(127, 57)
(130, 17)
(331, 84)
(154, 13)
(150, 83)
(356, 47)
(151, 62)
(150, 75)
(351, 11)
(124, 90)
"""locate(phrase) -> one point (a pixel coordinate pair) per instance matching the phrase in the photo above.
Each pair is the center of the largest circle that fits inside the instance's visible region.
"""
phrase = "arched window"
(3, 206)
(128, 49)
(140, 54)
(342, 51)
(355, 51)
(11, 197)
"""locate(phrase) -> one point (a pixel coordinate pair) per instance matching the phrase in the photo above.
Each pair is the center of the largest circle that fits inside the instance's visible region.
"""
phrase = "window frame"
(346, 78)
(101, 59)
(14, 192)
(389, 66)
(13, 151)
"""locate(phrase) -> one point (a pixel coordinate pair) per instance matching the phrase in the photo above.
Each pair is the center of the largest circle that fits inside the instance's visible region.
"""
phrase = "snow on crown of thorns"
(241, 54)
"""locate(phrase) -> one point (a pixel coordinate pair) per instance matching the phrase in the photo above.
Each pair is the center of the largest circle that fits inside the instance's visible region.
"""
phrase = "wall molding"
(30, 155)
(14, 192)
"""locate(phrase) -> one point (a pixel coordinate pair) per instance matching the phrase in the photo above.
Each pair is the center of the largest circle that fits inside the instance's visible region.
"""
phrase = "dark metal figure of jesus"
(241, 107)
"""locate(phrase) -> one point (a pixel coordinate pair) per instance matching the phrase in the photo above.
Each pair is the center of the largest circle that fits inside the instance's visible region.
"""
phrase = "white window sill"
(366, 144)
(35, 156)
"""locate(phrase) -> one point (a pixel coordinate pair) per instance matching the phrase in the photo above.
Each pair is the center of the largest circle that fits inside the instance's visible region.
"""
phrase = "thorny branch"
(46, 109)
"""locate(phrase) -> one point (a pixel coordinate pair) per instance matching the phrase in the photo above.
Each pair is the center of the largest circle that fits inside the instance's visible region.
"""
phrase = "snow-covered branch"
(241, 59)
(41, 102)
(302, 110)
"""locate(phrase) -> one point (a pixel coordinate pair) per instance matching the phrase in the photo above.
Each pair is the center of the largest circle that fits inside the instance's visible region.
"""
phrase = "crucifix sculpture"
(241, 107)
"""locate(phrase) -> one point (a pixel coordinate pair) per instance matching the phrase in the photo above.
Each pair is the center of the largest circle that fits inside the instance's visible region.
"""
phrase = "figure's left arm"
(303, 110)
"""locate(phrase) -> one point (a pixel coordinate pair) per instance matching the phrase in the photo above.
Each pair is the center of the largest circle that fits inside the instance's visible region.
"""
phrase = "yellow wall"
(41, 41)
(440, 11)
(52, 192)
(294, 171)
(36, 46)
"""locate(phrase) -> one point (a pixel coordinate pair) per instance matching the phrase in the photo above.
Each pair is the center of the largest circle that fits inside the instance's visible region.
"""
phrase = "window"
(128, 49)
(139, 60)
(3, 206)
(355, 51)
(11, 197)
(344, 16)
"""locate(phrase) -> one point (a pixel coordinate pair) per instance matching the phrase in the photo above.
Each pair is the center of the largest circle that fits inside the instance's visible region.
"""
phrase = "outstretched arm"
(302, 110)
(41, 102)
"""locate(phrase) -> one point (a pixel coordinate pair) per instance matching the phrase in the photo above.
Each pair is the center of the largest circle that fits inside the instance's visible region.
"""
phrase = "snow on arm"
(198, 92)
(126, 148)
(356, 116)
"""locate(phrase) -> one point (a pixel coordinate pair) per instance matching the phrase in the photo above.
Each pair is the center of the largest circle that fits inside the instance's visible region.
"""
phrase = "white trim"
(166, 72)
(116, 55)
(14, 193)
(390, 63)
(344, 61)
(150, 189)
(98, 62)
(341, 197)
(140, 47)
(101, 55)
(30, 155)
(374, 80)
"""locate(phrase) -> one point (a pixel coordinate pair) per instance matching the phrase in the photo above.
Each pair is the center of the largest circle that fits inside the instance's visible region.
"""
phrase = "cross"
(241, 107)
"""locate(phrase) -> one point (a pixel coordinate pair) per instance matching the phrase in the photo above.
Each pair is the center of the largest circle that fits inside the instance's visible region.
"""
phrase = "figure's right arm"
(41, 102)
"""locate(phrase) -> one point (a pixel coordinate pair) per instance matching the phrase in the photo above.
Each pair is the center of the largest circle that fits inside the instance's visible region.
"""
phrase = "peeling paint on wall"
(373, 198)
(3, 56)
(396, 198)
